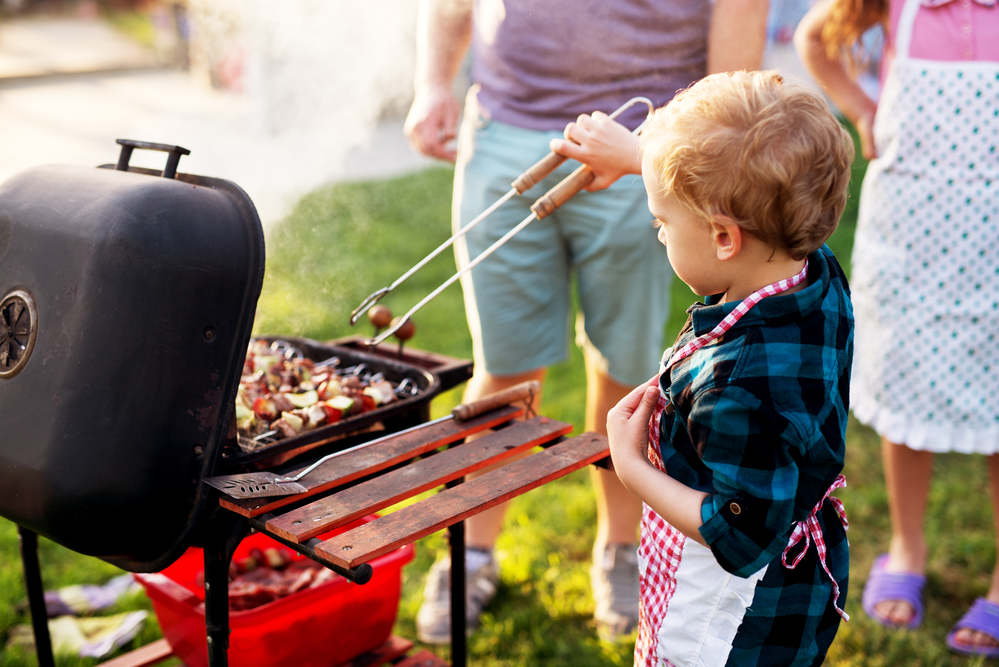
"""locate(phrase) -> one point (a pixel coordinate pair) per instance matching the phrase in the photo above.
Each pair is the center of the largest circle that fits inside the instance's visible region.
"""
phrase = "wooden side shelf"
(378, 537)
(402, 467)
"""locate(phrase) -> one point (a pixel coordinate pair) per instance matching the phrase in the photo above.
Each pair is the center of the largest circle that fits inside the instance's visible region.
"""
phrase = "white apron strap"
(903, 36)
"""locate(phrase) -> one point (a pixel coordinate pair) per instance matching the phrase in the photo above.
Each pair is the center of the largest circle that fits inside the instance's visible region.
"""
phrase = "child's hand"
(602, 144)
(628, 424)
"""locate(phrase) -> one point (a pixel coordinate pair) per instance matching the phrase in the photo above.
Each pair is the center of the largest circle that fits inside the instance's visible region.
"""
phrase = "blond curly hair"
(768, 154)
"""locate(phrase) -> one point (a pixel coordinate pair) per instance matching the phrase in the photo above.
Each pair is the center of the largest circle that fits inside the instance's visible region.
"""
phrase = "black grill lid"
(126, 303)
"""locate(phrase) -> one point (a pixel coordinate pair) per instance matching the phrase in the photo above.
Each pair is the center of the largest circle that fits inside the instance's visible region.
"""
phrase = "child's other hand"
(628, 424)
(602, 144)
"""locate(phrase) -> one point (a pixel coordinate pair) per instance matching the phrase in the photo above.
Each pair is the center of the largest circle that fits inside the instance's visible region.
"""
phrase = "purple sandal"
(903, 586)
(983, 617)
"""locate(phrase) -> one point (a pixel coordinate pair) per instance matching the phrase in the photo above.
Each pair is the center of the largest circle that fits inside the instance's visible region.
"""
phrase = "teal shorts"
(518, 300)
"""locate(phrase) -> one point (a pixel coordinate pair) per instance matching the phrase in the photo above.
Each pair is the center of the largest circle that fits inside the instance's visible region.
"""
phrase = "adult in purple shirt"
(542, 70)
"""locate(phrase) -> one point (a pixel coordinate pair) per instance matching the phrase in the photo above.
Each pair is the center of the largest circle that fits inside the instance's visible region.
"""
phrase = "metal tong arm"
(527, 180)
(525, 391)
(542, 208)
(376, 296)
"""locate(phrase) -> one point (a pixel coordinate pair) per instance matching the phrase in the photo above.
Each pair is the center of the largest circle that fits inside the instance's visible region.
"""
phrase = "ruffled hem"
(922, 436)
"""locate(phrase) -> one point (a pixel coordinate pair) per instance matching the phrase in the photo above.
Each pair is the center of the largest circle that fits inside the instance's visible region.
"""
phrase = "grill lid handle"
(128, 145)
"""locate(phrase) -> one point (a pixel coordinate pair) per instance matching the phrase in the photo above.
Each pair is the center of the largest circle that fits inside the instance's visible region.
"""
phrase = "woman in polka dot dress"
(925, 264)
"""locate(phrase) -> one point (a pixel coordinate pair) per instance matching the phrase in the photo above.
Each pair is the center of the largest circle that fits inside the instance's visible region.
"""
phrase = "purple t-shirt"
(541, 63)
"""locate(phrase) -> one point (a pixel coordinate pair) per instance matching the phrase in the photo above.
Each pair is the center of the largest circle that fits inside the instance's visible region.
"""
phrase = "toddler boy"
(736, 445)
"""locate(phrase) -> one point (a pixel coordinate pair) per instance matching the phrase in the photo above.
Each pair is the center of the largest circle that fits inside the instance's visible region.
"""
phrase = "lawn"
(342, 242)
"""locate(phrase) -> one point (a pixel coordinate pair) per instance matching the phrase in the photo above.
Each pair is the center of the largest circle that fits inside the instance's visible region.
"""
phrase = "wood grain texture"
(368, 497)
(409, 524)
(345, 469)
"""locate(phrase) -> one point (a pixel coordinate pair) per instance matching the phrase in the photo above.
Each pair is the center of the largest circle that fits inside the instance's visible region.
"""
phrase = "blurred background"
(277, 97)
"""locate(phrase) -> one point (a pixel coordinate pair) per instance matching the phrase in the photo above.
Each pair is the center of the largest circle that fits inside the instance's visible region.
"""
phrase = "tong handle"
(563, 192)
(523, 391)
(538, 171)
(128, 145)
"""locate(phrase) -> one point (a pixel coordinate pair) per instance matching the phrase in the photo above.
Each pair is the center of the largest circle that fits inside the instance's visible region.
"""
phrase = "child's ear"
(727, 237)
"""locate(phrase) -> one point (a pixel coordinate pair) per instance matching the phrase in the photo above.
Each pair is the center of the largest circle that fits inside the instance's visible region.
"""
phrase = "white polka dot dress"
(926, 257)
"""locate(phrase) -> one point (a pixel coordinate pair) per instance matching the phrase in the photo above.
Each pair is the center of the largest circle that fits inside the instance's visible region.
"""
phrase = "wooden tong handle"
(535, 174)
(562, 192)
(522, 391)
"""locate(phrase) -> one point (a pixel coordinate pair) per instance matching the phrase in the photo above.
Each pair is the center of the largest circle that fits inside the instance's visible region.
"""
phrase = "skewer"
(520, 185)
(404, 331)
(542, 208)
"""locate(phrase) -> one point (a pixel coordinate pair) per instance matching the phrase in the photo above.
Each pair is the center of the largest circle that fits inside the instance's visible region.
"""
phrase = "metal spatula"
(264, 484)
(254, 485)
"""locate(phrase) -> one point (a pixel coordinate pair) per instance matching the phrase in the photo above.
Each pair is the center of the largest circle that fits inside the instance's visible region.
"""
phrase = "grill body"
(137, 294)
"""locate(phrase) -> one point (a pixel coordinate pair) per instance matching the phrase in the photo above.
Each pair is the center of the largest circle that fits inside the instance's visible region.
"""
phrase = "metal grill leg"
(224, 532)
(456, 539)
(36, 596)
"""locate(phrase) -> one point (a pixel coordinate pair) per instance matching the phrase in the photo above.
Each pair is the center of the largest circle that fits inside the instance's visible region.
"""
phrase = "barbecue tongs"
(543, 207)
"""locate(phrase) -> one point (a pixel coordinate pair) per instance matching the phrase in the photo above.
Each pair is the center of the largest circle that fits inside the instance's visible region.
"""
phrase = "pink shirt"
(954, 31)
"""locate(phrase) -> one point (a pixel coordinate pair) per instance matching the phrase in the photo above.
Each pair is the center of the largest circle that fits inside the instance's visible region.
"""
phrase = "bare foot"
(895, 612)
(974, 638)
(901, 561)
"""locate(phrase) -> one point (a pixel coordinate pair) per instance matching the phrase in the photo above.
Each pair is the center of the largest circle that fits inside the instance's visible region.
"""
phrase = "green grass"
(344, 241)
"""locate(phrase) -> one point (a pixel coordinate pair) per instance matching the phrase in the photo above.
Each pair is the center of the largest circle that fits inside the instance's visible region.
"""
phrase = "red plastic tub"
(317, 627)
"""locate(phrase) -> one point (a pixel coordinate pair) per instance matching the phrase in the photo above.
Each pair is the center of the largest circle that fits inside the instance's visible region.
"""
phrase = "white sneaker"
(433, 621)
(615, 591)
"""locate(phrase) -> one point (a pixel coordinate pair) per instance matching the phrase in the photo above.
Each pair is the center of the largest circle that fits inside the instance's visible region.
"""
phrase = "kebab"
(282, 394)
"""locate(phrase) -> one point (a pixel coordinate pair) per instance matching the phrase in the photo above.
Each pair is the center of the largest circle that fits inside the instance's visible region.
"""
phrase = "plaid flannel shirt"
(759, 424)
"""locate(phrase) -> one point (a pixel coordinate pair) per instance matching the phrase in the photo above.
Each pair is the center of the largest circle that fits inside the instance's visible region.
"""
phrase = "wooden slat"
(150, 654)
(349, 467)
(394, 648)
(409, 524)
(343, 507)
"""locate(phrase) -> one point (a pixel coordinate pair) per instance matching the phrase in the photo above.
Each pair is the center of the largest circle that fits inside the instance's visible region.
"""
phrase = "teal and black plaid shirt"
(759, 424)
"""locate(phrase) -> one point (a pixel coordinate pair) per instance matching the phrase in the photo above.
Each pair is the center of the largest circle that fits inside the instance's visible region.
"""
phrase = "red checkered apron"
(661, 545)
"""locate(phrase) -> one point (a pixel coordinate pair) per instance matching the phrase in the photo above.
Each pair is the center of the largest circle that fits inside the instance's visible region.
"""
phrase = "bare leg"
(907, 477)
(482, 529)
(618, 511)
(973, 637)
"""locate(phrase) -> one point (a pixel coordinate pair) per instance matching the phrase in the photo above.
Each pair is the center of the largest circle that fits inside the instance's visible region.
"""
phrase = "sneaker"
(433, 621)
(615, 591)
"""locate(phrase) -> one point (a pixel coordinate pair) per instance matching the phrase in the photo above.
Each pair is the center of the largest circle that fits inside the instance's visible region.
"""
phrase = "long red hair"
(846, 24)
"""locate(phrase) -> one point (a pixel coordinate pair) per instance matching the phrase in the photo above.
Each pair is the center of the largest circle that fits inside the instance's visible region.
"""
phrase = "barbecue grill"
(127, 297)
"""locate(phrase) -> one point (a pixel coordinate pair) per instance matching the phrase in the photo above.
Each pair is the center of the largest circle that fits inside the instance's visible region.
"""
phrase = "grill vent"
(18, 326)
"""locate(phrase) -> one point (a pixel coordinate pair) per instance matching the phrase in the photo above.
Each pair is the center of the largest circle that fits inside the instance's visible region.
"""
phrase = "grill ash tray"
(406, 410)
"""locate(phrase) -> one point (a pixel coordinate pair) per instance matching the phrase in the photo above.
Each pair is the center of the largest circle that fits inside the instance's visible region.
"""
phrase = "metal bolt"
(198, 450)
(209, 640)
(208, 586)
(209, 333)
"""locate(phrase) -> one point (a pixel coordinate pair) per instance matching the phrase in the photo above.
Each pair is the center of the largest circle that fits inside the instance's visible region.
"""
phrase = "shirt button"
(967, 54)
(734, 509)
(966, 27)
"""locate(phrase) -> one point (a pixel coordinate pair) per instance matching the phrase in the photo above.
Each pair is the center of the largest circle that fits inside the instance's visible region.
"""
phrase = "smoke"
(316, 78)
(280, 97)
